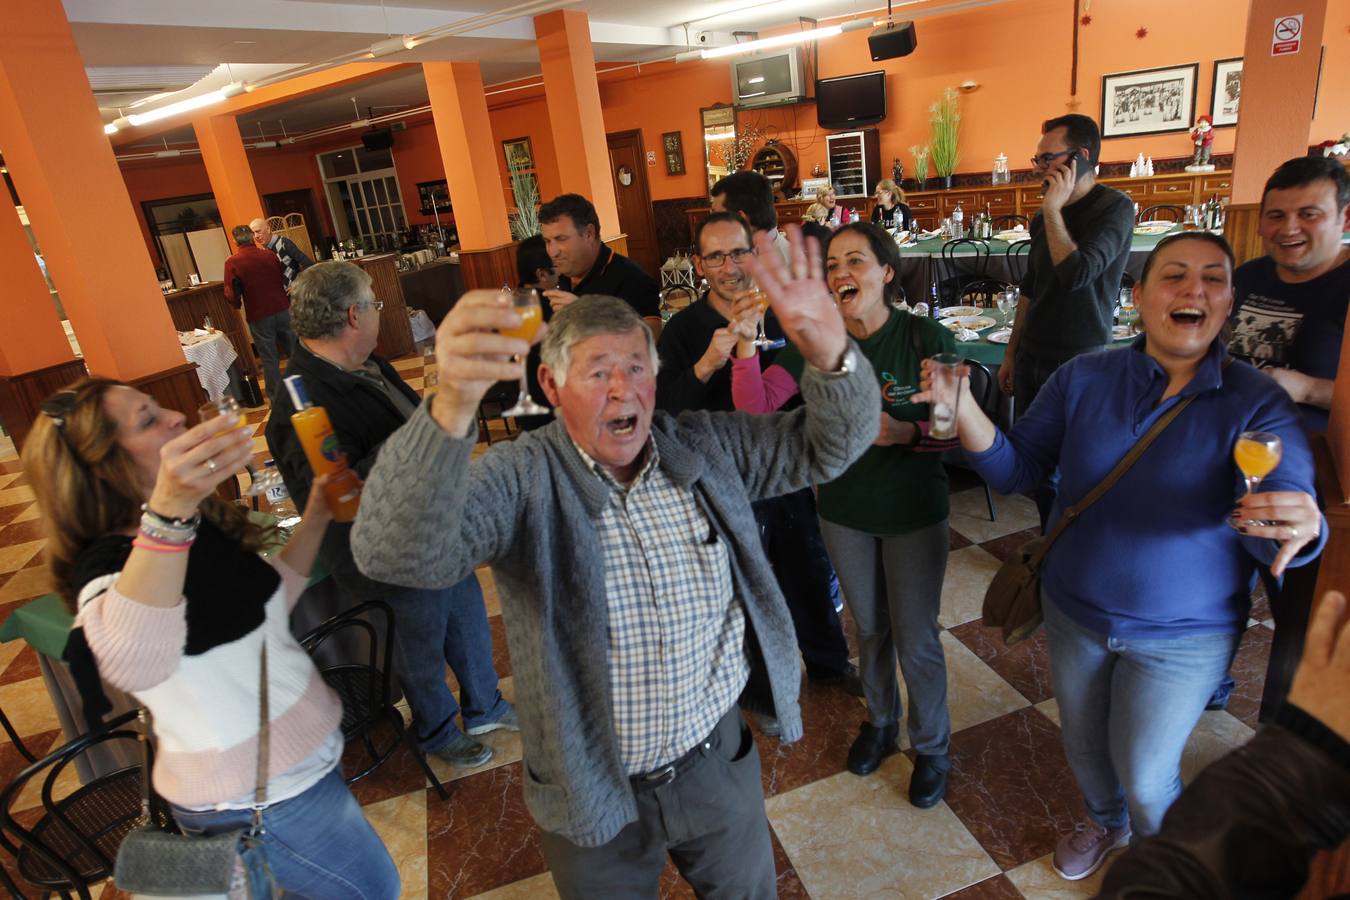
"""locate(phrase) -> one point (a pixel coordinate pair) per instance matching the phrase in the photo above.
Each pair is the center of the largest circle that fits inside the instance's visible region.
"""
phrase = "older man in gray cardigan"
(640, 610)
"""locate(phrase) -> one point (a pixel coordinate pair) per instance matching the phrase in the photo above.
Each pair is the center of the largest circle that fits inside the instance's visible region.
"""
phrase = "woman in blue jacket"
(1146, 596)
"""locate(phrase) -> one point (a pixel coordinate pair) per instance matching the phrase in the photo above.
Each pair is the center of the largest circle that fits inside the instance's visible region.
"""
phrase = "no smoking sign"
(1288, 35)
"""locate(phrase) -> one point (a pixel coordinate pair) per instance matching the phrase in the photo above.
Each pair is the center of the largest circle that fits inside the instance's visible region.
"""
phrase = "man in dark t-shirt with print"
(1290, 305)
(571, 231)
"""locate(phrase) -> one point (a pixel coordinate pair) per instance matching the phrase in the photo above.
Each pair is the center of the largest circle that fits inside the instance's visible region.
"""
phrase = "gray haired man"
(337, 319)
(640, 609)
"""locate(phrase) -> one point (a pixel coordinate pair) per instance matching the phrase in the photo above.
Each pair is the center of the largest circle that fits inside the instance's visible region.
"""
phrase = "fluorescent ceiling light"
(110, 128)
(168, 154)
(778, 40)
(173, 109)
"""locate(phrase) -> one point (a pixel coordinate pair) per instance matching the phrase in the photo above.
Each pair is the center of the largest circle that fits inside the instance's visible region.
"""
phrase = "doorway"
(628, 169)
(302, 201)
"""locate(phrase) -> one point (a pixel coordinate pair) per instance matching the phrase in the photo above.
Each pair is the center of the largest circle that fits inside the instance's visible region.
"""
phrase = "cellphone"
(1080, 169)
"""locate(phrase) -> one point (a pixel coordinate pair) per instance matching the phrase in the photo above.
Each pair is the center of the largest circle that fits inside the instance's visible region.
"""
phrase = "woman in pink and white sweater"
(174, 604)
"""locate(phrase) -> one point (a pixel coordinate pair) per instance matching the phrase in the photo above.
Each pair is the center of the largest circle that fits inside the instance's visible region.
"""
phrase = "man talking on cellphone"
(1080, 241)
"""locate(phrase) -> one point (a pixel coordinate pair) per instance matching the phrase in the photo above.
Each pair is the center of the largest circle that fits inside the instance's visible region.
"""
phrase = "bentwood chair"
(364, 681)
(1016, 257)
(1165, 212)
(961, 262)
(984, 388)
(1011, 221)
(73, 844)
(982, 293)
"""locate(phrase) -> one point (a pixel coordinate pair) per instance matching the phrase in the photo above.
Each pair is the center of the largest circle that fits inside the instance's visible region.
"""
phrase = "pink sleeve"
(760, 392)
(292, 581)
(137, 646)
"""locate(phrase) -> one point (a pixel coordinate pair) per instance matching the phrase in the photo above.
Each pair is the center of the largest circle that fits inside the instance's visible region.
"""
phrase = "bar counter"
(395, 331)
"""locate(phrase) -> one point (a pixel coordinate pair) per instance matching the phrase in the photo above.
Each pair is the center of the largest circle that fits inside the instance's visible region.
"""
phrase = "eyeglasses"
(718, 259)
(1046, 159)
(378, 304)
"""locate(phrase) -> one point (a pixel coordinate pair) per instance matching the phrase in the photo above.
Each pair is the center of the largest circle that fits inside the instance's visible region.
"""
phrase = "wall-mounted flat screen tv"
(851, 101)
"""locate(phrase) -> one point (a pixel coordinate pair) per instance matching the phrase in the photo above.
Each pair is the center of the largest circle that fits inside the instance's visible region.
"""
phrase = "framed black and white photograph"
(433, 196)
(1227, 92)
(1151, 101)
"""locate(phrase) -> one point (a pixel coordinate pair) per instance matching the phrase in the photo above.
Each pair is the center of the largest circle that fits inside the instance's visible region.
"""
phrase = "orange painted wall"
(1333, 100)
(515, 117)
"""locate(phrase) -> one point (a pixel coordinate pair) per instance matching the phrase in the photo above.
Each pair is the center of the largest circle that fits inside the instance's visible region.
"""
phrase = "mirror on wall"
(719, 137)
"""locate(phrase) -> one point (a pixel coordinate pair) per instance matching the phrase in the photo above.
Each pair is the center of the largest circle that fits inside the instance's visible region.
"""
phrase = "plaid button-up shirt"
(677, 658)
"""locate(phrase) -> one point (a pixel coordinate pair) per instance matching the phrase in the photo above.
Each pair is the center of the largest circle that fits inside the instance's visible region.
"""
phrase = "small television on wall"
(851, 101)
(768, 79)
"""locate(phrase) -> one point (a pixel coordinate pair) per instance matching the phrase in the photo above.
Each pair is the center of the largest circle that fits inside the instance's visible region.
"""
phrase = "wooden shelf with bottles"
(776, 162)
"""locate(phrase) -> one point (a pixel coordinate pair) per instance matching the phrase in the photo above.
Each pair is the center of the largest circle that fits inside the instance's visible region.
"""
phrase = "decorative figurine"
(1203, 138)
(898, 171)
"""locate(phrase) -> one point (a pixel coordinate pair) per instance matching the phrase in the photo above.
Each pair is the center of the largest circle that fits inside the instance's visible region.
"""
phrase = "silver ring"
(1293, 533)
(211, 466)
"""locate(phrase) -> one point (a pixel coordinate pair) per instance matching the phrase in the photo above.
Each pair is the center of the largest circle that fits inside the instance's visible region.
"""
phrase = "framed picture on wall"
(434, 197)
(673, 145)
(1227, 92)
(1150, 101)
(519, 154)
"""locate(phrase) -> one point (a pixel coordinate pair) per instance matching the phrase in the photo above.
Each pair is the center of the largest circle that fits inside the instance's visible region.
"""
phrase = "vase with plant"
(945, 117)
(920, 155)
(525, 190)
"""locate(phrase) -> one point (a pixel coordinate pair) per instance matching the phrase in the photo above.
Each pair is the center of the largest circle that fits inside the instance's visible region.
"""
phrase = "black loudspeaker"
(378, 139)
(892, 41)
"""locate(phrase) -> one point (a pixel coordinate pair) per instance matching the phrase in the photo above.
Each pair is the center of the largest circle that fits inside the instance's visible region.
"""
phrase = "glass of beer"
(525, 301)
(946, 393)
(259, 482)
(1256, 453)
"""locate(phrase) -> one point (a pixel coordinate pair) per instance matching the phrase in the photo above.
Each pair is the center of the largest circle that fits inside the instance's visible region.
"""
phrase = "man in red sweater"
(255, 278)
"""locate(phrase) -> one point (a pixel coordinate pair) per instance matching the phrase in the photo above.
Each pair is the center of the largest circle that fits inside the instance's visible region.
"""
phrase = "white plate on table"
(1121, 332)
(1002, 336)
(948, 312)
(1152, 228)
(974, 323)
(1014, 236)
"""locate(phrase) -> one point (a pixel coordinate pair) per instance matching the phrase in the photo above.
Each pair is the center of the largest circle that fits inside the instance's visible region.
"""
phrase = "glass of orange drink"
(525, 301)
(259, 483)
(1256, 453)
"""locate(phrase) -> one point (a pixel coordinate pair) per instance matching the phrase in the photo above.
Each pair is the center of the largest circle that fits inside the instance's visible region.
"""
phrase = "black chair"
(1016, 257)
(73, 846)
(1009, 222)
(500, 397)
(984, 388)
(961, 262)
(366, 687)
(1166, 211)
(982, 293)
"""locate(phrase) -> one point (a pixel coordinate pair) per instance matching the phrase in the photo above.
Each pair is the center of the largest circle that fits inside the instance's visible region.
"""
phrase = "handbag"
(152, 862)
(1012, 601)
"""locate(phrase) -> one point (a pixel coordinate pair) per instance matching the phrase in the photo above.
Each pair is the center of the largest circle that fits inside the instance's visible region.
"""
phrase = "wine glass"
(762, 302)
(259, 482)
(1007, 304)
(525, 301)
(1127, 311)
(1256, 453)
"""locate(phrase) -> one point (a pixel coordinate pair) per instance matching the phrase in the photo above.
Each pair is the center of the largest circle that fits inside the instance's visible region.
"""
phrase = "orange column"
(63, 168)
(468, 152)
(1277, 93)
(228, 170)
(31, 336)
(573, 97)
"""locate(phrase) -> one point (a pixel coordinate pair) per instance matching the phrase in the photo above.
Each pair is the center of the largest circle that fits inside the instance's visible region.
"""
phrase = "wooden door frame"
(647, 213)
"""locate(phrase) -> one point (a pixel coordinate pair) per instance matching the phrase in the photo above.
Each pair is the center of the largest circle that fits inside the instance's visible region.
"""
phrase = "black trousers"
(790, 531)
(710, 821)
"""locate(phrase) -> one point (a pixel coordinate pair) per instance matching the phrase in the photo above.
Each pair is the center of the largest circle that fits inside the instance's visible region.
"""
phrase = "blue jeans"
(1127, 707)
(265, 332)
(434, 628)
(317, 845)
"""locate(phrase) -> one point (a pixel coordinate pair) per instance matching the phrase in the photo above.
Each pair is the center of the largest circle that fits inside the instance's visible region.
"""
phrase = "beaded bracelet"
(169, 521)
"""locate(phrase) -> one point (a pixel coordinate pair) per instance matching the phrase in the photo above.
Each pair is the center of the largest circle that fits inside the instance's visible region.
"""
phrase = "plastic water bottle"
(958, 222)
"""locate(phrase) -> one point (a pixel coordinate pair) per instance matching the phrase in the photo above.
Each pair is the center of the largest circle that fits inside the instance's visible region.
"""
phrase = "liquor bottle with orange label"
(323, 452)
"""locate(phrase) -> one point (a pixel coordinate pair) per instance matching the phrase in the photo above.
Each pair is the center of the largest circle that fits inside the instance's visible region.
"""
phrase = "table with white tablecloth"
(214, 354)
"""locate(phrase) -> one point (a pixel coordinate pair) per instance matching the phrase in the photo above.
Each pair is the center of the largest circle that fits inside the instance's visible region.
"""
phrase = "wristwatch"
(847, 367)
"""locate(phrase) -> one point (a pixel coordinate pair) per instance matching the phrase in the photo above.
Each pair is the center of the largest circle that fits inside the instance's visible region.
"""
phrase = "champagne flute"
(259, 482)
(1256, 453)
(762, 303)
(1127, 316)
(525, 301)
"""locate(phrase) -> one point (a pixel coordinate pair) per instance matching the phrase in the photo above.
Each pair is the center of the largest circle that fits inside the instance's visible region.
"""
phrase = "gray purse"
(154, 863)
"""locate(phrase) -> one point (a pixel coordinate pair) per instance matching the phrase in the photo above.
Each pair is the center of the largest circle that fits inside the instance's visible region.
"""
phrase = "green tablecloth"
(992, 354)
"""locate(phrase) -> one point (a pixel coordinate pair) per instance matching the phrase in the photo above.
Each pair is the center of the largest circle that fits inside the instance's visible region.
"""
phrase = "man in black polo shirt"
(571, 232)
(696, 347)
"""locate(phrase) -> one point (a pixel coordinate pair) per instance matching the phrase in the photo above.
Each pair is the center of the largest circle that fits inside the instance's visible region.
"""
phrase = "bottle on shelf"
(323, 451)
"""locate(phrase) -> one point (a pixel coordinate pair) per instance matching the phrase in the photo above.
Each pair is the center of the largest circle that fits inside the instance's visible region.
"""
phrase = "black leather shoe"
(929, 781)
(872, 746)
(847, 679)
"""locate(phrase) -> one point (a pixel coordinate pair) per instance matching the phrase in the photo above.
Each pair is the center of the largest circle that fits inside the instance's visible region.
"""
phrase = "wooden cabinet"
(1216, 184)
(777, 163)
(1180, 189)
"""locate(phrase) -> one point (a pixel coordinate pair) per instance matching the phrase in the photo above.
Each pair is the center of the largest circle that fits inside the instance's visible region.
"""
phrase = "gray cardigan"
(429, 516)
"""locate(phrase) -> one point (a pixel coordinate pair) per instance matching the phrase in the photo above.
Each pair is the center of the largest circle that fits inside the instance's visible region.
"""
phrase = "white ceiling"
(135, 48)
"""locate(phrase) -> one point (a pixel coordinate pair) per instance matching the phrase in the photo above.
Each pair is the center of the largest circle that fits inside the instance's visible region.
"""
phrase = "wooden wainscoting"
(395, 330)
(177, 388)
(490, 268)
(1240, 231)
(21, 395)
